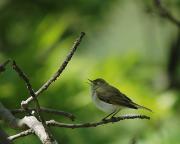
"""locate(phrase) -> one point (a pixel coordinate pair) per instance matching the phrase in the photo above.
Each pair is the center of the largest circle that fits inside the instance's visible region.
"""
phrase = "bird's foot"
(113, 119)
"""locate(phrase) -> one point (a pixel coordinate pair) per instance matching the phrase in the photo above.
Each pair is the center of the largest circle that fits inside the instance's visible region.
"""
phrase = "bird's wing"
(114, 96)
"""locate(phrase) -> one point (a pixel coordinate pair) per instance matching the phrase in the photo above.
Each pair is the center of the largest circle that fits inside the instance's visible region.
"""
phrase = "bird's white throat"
(106, 107)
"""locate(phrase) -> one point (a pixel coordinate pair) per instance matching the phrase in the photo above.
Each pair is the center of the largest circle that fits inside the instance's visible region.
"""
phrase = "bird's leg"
(108, 115)
(115, 113)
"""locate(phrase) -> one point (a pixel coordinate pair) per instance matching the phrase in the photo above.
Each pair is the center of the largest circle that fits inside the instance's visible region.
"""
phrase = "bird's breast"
(106, 107)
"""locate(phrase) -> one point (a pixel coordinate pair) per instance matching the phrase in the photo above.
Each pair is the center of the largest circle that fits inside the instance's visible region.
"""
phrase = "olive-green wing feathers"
(114, 96)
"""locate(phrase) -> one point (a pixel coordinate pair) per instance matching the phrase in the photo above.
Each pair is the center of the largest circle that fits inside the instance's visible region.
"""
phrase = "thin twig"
(31, 92)
(3, 65)
(47, 110)
(84, 125)
(29, 87)
(58, 72)
(21, 134)
(165, 13)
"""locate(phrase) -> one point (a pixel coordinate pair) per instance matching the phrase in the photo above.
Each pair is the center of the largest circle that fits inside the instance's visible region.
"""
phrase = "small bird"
(109, 99)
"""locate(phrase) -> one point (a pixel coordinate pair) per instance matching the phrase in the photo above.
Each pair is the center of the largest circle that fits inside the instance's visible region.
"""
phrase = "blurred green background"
(127, 43)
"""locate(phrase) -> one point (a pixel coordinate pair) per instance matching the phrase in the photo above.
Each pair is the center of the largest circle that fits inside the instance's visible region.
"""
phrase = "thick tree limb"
(58, 72)
(165, 13)
(47, 110)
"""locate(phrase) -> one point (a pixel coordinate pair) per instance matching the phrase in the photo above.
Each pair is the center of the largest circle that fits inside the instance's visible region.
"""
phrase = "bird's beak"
(91, 81)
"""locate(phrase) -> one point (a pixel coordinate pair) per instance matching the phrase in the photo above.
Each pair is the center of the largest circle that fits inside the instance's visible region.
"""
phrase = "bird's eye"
(98, 83)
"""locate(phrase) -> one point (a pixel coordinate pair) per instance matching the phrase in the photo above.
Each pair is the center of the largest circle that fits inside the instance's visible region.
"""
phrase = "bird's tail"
(142, 107)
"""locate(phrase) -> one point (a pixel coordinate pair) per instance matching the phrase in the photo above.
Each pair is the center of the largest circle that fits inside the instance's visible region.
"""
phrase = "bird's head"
(99, 82)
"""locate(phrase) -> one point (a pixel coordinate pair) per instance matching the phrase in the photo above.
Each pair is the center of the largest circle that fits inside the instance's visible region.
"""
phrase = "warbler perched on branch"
(109, 99)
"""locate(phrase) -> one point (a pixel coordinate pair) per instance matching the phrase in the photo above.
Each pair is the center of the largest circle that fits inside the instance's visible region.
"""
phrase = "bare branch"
(84, 125)
(165, 13)
(24, 77)
(3, 65)
(41, 129)
(31, 92)
(95, 124)
(29, 87)
(21, 134)
(58, 72)
(47, 110)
